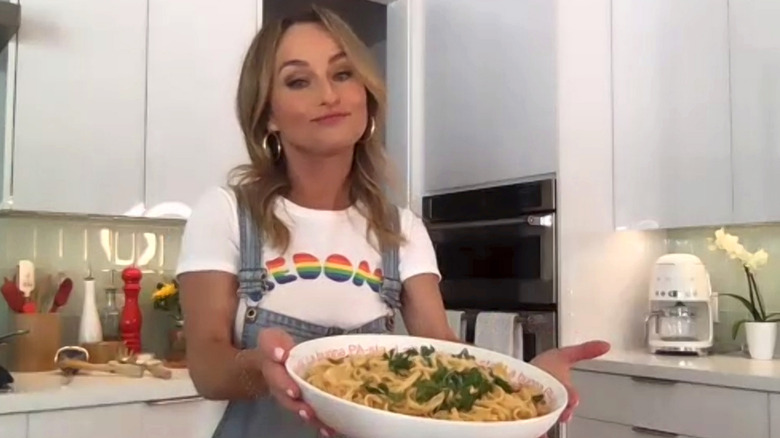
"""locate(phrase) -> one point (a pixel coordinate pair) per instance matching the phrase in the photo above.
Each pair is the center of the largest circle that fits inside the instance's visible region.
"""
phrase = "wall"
(727, 276)
(603, 273)
(70, 246)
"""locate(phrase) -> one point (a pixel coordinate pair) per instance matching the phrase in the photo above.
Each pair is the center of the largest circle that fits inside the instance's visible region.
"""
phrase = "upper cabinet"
(489, 92)
(672, 139)
(696, 112)
(755, 115)
(79, 107)
(123, 108)
(193, 138)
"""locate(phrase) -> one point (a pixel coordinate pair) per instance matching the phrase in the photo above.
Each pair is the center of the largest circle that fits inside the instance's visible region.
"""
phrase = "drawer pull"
(652, 380)
(653, 432)
(174, 401)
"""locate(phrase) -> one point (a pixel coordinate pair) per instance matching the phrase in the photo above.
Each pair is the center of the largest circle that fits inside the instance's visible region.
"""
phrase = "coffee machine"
(682, 307)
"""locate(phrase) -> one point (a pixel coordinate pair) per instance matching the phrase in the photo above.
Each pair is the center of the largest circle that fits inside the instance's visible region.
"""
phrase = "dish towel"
(455, 320)
(500, 332)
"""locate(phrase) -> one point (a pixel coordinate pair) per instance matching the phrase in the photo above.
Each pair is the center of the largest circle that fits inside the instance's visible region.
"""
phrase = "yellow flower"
(165, 292)
(736, 251)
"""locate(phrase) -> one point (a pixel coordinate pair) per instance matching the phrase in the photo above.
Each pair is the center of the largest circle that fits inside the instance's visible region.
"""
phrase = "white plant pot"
(761, 338)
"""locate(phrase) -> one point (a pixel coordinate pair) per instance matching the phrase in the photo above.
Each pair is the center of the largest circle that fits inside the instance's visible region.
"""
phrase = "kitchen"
(654, 121)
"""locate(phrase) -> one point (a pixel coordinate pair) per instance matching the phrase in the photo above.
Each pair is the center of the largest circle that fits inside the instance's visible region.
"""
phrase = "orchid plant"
(751, 263)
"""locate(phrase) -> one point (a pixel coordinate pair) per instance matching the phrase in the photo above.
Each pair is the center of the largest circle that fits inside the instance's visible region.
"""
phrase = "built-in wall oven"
(496, 249)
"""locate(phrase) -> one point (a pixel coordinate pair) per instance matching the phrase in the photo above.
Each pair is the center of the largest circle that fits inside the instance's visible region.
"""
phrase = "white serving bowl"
(357, 421)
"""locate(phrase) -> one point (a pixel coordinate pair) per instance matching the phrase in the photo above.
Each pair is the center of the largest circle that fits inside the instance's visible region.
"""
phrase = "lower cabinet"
(634, 406)
(13, 425)
(186, 417)
(116, 421)
(192, 417)
(586, 428)
(774, 415)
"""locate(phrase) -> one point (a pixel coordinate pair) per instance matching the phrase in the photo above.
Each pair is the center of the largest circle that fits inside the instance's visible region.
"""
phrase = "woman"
(305, 243)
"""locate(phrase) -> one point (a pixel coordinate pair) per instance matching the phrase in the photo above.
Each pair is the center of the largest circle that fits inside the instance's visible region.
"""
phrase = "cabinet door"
(672, 147)
(755, 108)
(489, 92)
(193, 135)
(403, 136)
(14, 426)
(195, 418)
(585, 428)
(80, 91)
(118, 421)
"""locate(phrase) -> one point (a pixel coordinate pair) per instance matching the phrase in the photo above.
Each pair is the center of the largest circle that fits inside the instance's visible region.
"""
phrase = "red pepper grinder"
(131, 319)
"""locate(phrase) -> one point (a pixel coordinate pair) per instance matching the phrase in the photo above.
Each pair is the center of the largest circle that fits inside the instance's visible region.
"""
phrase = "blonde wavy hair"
(258, 184)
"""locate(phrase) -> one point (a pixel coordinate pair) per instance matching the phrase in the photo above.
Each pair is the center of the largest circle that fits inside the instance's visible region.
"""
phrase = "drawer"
(13, 425)
(677, 407)
(587, 428)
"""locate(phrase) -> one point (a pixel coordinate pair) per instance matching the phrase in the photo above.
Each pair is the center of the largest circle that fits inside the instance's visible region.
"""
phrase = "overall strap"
(252, 276)
(391, 283)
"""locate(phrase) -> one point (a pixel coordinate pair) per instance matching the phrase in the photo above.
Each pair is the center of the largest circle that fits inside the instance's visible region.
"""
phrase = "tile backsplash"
(727, 275)
(72, 246)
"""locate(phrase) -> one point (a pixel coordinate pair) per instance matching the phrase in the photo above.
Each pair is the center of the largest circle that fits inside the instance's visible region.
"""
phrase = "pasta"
(427, 383)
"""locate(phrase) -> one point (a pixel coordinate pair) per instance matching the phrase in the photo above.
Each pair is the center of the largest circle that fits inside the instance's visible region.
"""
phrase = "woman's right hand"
(274, 345)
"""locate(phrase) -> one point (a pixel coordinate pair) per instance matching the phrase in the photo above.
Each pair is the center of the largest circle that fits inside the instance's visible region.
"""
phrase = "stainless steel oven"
(496, 247)
(496, 250)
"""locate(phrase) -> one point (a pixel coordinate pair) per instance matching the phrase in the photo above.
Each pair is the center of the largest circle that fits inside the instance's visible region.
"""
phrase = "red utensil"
(62, 295)
(13, 296)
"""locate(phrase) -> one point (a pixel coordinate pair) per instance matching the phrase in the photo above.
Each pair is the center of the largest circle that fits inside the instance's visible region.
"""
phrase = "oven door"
(505, 264)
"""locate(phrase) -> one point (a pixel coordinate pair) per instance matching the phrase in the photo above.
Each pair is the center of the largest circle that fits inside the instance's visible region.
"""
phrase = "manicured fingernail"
(278, 353)
(324, 433)
(291, 394)
(303, 415)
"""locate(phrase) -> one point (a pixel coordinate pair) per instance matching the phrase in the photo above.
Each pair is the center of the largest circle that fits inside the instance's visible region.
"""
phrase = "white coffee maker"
(682, 307)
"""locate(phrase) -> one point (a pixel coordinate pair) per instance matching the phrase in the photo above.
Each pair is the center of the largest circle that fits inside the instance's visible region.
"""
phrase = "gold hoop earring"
(274, 152)
(369, 132)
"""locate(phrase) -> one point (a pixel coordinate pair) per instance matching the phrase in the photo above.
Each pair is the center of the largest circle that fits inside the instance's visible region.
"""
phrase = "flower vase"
(177, 347)
(761, 339)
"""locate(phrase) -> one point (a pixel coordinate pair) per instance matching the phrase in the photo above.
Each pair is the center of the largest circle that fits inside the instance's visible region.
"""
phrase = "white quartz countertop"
(730, 370)
(45, 391)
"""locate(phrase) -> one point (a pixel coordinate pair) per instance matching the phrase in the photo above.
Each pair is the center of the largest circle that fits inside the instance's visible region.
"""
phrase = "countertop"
(35, 392)
(734, 370)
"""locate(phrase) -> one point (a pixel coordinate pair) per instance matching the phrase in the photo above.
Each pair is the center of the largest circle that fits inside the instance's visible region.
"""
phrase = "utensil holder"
(34, 352)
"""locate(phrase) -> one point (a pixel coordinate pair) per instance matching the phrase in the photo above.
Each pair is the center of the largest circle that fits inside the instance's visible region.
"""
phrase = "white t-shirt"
(330, 275)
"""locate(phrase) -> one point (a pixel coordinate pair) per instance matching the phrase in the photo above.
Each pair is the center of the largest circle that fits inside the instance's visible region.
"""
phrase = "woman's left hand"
(558, 363)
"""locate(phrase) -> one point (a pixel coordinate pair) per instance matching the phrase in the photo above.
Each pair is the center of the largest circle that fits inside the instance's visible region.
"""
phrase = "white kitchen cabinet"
(78, 136)
(13, 425)
(193, 138)
(755, 109)
(194, 417)
(118, 421)
(586, 428)
(647, 404)
(774, 415)
(489, 92)
(671, 114)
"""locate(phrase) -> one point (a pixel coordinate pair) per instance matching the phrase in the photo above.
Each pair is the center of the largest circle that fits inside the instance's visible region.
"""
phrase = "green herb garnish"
(399, 363)
(383, 390)
(461, 388)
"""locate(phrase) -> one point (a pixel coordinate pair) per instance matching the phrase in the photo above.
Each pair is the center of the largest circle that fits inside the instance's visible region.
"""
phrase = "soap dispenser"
(90, 330)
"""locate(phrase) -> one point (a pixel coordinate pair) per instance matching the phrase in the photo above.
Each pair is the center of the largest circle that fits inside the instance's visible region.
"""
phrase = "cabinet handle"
(653, 432)
(653, 380)
(174, 401)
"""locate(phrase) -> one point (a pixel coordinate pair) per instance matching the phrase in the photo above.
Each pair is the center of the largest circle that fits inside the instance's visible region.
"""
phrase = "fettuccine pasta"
(427, 383)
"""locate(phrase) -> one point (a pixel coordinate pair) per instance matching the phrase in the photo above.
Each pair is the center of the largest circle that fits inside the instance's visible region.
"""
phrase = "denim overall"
(263, 417)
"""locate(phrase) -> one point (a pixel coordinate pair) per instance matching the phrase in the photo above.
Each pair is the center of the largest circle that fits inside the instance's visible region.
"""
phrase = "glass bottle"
(109, 316)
